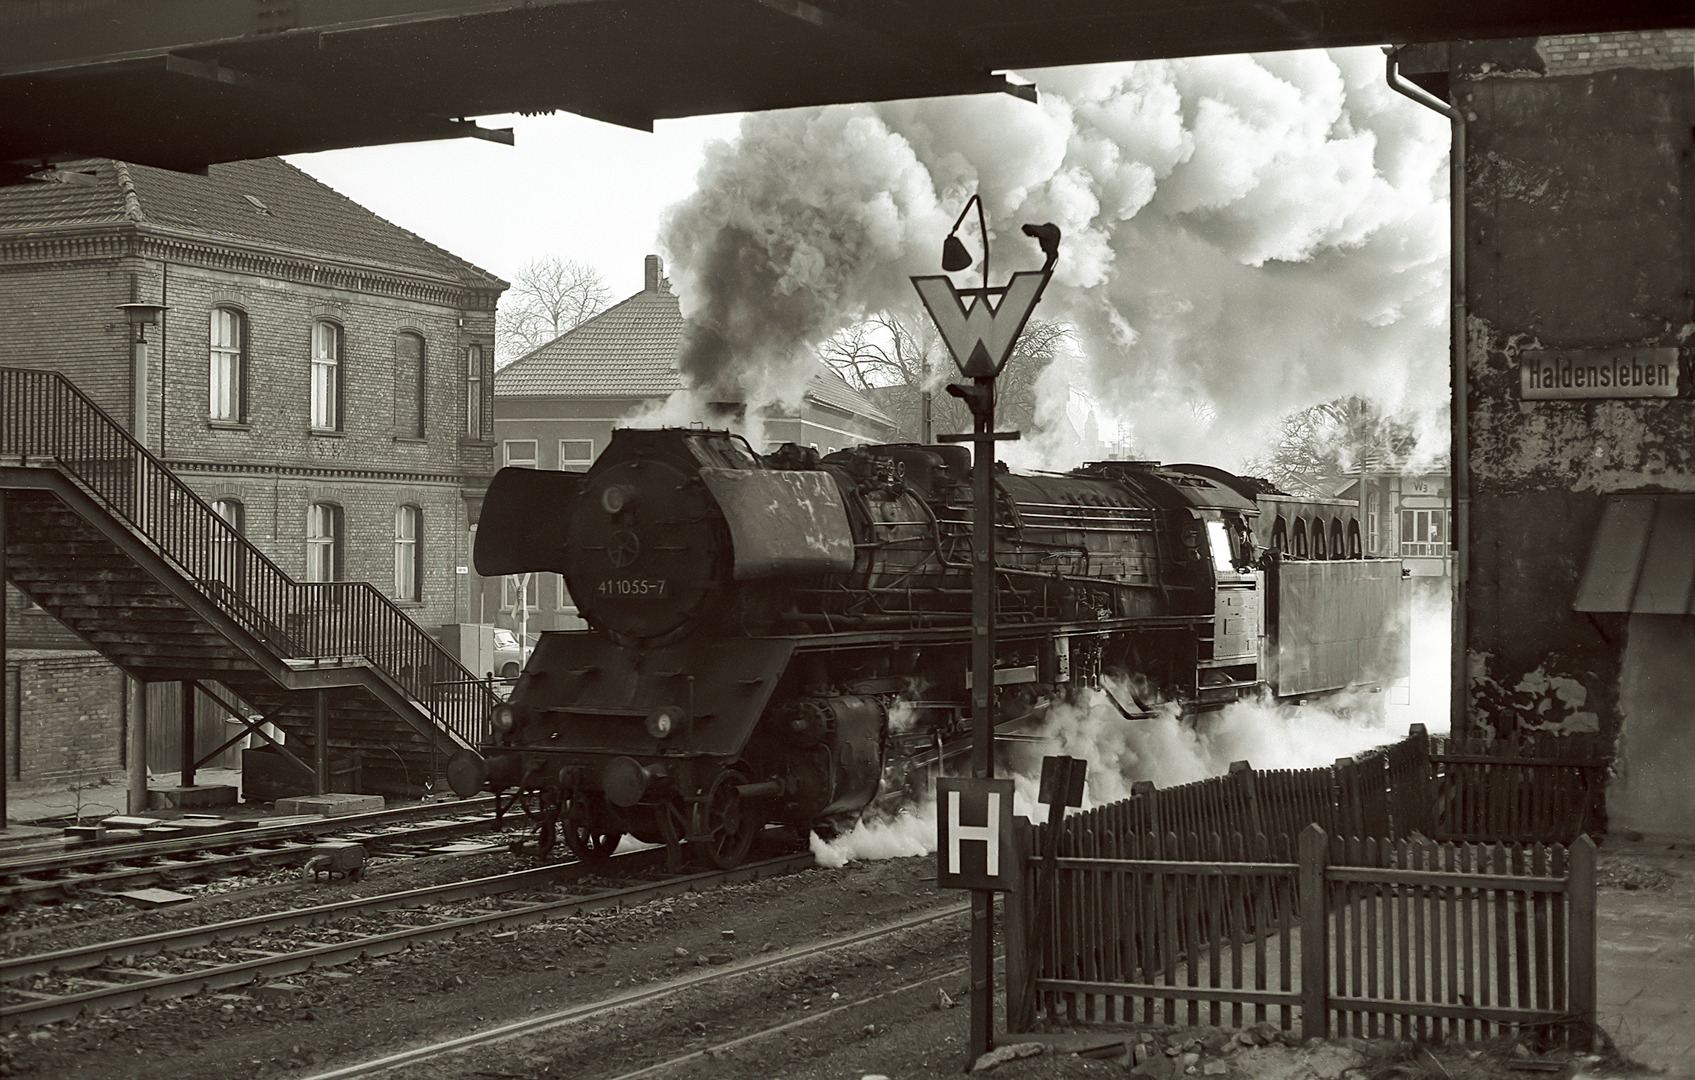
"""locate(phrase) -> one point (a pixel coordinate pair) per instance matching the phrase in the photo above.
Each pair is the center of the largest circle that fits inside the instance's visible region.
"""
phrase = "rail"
(43, 415)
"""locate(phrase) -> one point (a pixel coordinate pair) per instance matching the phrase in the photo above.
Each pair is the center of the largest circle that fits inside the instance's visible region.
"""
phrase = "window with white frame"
(326, 376)
(520, 452)
(1424, 532)
(226, 542)
(1373, 502)
(408, 385)
(576, 455)
(478, 379)
(323, 542)
(227, 382)
(407, 554)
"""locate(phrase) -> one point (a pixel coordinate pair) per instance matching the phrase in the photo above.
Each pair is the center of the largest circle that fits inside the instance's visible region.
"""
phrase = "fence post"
(1348, 821)
(1580, 895)
(1422, 802)
(1315, 935)
(1244, 774)
(1020, 972)
(1373, 791)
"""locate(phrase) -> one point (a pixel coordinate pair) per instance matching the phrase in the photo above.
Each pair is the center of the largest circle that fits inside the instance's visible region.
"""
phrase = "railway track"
(418, 829)
(653, 994)
(45, 987)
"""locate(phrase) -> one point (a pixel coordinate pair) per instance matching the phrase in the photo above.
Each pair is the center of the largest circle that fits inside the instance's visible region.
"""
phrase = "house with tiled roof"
(555, 407)
(321, 376)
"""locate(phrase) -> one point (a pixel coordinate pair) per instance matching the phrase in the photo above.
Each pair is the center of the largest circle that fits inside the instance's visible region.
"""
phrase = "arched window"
(1338, 549)
(1299, 539)
(1319, 550)
(408, 385)
(226, 388)
(1280, 536)
(324, 542)
(408, 566)
(1354, 539)
(226, 543)
(326, 376)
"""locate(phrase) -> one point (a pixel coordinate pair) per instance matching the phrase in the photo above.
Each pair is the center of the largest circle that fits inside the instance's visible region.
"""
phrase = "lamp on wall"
(141, 316)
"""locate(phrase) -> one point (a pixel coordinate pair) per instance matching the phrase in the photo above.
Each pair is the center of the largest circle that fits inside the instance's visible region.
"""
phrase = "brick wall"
(65, 717)
(61, 314)
(1576, 54)
(277, 429)
(58, 303)
(29, 627)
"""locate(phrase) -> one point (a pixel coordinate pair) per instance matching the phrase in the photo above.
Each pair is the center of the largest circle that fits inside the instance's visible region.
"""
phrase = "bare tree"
(893, 357)
(549, 297)
(1318, 447)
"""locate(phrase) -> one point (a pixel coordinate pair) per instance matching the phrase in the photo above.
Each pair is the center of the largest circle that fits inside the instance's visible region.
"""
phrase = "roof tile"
(267, 202)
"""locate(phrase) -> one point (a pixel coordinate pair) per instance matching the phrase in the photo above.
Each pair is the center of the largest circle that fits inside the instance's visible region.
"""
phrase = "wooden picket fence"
(1508, 792)
(1372, 938)
(1531, 787)
(1452, 909)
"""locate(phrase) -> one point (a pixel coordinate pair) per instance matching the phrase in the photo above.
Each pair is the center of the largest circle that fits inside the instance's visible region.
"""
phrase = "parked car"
(508, 661)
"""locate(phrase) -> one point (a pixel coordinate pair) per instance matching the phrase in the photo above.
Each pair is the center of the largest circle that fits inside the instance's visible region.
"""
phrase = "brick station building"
(321, 376)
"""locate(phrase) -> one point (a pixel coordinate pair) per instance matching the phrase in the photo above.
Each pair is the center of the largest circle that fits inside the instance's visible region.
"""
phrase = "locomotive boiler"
(779, 638)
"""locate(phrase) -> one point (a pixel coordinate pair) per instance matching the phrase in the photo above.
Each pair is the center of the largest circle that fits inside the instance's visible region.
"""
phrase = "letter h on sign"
(974, 841)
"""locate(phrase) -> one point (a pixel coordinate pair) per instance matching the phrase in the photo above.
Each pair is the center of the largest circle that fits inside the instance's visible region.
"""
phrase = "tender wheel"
(542, 810)
(590, 836)
(729, 823)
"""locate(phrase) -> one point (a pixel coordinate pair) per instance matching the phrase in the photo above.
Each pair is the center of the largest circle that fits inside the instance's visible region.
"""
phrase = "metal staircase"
(102, 535)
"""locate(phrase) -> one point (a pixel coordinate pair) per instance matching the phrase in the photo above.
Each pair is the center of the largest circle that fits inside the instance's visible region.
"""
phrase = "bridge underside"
(185, 83)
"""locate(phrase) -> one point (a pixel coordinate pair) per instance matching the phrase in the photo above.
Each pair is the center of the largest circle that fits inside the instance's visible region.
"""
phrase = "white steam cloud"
(1243, 236)
(1170, 750)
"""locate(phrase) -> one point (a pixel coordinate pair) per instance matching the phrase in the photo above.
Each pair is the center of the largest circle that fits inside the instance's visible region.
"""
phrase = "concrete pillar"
(190, 726)
(5, 759)
(135, 743)
(320, 742)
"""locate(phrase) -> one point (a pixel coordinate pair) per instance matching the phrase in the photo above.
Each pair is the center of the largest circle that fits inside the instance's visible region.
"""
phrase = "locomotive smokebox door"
(467, 772)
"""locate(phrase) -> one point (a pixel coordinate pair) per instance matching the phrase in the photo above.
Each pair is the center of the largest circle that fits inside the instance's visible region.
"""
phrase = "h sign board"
(974, 839)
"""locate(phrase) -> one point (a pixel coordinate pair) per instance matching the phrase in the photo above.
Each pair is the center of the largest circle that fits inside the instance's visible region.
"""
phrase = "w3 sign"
(974, 838)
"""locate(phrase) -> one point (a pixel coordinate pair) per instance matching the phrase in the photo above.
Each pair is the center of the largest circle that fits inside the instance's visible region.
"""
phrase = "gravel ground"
(893, 1009)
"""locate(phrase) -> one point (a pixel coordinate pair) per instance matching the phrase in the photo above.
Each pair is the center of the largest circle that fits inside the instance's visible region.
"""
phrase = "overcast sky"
(571, 187)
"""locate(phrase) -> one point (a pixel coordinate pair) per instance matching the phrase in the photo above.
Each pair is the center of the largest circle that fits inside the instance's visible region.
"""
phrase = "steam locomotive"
(778, 638)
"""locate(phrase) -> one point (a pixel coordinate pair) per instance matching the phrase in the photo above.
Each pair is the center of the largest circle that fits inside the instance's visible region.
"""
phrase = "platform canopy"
(184, 83)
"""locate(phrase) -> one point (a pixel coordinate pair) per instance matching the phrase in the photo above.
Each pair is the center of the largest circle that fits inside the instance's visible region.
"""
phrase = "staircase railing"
(44, 415)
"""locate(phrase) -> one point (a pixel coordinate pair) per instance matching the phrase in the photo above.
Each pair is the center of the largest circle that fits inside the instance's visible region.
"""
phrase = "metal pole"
(983, 695)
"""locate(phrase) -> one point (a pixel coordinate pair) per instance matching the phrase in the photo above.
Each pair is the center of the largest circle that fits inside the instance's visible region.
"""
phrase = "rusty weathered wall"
(1579, 224)
(1652, 790)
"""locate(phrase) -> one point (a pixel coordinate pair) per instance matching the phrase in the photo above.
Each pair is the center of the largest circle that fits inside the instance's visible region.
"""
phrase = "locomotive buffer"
(981, 338)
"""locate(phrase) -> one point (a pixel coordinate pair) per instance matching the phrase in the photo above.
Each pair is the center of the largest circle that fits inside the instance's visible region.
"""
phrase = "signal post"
(981, 338)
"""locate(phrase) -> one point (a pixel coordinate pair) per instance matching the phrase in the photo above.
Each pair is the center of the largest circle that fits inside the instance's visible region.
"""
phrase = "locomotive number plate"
(652, 588)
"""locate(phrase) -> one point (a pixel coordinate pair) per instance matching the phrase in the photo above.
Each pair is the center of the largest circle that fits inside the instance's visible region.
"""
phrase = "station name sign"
(1547, 374)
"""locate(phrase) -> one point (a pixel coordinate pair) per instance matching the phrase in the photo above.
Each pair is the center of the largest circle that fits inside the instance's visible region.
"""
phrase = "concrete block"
(185, 798)
(334, 804)
(85, 833)
(124, 821)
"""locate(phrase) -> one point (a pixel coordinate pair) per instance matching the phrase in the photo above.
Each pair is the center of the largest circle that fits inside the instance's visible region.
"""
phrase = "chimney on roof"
(655, 270)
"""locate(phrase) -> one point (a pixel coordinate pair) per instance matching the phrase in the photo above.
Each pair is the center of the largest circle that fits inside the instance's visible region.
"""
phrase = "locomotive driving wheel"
(591, 837)
(728, 822)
